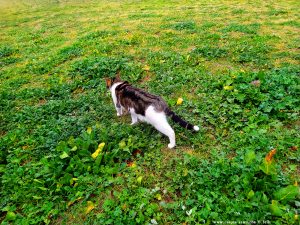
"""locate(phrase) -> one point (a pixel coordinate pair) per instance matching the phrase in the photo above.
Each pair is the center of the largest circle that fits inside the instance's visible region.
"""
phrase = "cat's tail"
(181, 121)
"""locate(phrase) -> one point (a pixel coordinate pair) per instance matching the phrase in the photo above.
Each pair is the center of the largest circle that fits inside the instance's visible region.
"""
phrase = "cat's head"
(110, 81)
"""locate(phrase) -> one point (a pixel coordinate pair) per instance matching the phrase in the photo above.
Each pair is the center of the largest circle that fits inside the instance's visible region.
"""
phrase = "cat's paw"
(119, 114)
(133, 123)
(171, 145)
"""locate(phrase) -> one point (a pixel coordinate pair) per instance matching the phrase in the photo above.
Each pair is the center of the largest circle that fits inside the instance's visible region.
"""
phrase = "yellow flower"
(146, 68)
(158, 197)
(99, 149)
(270, 155)
(72, 202)
(73, 180)
(179, 101)
(139, 179)
(89, 130)
(90, 207)
(228, 88)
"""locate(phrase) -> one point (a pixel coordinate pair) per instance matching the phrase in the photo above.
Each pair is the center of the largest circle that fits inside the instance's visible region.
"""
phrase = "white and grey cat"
(145, 107)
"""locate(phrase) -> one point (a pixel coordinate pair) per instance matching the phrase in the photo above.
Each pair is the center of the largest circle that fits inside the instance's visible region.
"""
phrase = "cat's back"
(141, 97)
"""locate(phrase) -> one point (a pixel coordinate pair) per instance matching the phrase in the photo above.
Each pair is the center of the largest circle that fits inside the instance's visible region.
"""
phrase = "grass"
(235, 64)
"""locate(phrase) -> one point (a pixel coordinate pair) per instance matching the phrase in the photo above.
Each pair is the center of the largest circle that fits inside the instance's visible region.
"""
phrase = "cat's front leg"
(134, 118)
(119, 111)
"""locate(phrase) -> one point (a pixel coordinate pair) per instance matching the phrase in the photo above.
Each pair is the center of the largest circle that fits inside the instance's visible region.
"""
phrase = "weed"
(254, 50)
(276, 12)
(210, 52)
(181, 26)
(247, 29)
(239, 11)
(6, 51)
(7, 55)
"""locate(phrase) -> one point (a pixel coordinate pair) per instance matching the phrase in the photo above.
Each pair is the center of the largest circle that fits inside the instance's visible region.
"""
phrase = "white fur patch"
(160, 122)
(156, 119)
(113, 94)
(196, 128)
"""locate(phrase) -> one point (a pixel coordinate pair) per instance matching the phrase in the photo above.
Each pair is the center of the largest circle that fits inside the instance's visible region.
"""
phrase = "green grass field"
(234, 63)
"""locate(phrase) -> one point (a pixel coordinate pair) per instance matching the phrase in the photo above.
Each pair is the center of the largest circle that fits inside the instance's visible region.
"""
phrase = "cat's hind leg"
(160, 122)
(166, 129)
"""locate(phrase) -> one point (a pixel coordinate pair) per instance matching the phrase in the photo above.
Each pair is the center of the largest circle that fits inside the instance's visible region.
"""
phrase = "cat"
(144, 107)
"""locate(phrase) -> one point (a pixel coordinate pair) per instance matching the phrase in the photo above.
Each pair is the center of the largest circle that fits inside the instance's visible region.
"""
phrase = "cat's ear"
(108, 82)
(118, 76)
